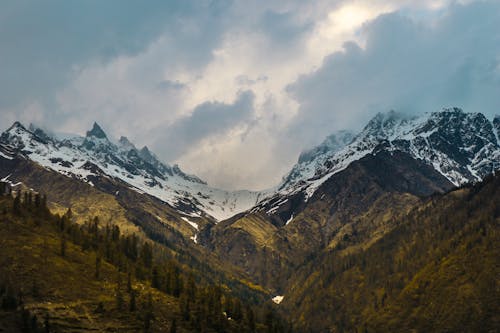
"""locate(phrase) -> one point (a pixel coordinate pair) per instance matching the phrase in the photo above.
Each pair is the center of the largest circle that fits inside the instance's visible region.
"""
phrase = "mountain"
(361, 203)
(59, 276)
(436, 271)
(356, 191)
(94, 155)
(390, 229)
(463, 147)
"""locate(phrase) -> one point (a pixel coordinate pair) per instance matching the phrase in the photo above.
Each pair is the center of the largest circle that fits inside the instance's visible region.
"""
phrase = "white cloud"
(169, 78)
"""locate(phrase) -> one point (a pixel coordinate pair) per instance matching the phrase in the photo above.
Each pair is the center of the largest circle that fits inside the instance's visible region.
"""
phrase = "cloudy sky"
(233, 90)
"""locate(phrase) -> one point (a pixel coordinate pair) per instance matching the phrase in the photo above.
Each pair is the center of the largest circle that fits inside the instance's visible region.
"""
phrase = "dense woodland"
(120, 282)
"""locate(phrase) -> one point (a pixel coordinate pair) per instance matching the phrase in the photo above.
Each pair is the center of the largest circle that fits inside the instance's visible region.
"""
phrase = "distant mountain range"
(94, 155)
(463, 147)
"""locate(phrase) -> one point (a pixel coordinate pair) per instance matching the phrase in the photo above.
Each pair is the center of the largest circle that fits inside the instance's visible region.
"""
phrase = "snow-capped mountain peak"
(96, 132)
(463, 147)
(125, 144)
(331, 144)
(93, 156)
(310, 160)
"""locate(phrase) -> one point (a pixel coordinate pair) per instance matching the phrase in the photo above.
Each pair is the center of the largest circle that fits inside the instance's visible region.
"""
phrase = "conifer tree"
(148, 313)
(155, 280)
(97, 266)
(63, 245)
(119, 293)
(129, 282)
(46, 324)
(173, 326)
(147, 254)
(132, 304)
(250, 318)
(17, 204)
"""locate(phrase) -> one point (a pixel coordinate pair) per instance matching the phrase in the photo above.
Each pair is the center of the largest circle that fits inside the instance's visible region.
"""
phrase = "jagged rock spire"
(97, 132)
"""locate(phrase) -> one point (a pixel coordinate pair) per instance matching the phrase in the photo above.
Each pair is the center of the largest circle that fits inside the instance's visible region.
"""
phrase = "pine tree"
(175, 280)
(46, 324)
(69, 215)
(147, 254)
(132, 304)
(34, 324)
(44, 202)
(155, 280)
(97, 266)
(148, 313)
(16, 208)
(173, 326)
(63, 245)
(129, 282)
(119, 293)
(250, 318)
(184, 307)
(237, 313)
(191, 287)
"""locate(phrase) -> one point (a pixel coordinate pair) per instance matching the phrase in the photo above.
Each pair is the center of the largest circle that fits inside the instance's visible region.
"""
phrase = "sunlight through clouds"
(296, 59)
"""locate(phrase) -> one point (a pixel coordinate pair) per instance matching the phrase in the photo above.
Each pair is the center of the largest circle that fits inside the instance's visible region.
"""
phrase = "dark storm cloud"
(408, 66)
(43, 42)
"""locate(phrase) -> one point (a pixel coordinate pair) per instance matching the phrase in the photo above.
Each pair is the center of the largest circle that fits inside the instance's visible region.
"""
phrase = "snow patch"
(278, 299)
(5, 156)
(194, 238)
(191, 223)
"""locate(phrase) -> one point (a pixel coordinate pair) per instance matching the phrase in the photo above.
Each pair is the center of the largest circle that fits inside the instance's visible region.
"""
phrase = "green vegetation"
(400, 264)
(57, 276)
(437, 270)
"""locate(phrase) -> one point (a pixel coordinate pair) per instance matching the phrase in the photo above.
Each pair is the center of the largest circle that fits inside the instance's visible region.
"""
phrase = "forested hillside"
(436, 271)
(58, 276)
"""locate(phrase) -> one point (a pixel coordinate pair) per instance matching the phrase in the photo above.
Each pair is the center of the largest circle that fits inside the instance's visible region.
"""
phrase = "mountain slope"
(95, 155)
(57, 276)
(355, 188)
(114, 203)
(436, 271)
(352, 203)
(463, 147)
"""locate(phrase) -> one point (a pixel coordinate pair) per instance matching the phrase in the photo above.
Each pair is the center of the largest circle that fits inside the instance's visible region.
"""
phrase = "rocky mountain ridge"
(463, 147)
(95, 155)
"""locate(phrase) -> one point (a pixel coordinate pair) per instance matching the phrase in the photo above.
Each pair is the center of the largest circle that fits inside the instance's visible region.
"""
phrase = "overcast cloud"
(234, 90)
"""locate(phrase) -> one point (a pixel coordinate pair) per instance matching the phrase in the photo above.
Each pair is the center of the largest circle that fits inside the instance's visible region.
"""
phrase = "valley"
(369, 232)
